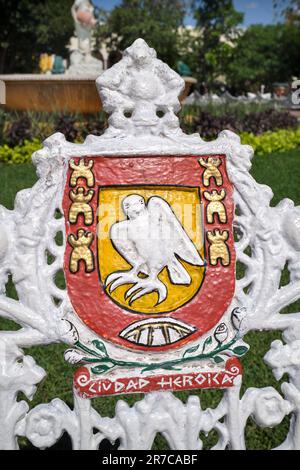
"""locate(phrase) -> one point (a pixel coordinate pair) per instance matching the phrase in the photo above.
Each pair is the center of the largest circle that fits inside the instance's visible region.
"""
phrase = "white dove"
(151, 239)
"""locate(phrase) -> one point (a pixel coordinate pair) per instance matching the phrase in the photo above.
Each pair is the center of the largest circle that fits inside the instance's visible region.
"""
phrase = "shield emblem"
(150, 261)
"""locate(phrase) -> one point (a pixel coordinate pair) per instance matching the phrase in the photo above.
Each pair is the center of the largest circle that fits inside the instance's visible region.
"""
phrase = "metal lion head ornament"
(149, 257)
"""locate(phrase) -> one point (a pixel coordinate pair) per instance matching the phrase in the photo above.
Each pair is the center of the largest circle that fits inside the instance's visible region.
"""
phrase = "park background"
(245, 56)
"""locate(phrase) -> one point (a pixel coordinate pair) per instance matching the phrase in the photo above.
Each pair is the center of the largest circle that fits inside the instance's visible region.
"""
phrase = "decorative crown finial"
(141, 94)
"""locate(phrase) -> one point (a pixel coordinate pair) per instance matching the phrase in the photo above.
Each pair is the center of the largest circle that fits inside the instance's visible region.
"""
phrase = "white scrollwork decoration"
(141, 95)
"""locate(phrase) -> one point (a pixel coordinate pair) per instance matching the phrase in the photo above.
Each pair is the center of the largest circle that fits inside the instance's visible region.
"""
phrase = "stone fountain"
(73, 91)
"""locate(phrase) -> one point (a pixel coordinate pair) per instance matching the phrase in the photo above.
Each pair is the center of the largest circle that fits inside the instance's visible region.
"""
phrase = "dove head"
(133, 206)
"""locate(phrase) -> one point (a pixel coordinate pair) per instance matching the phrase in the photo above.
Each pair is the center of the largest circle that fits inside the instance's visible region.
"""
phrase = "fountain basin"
(58, 93)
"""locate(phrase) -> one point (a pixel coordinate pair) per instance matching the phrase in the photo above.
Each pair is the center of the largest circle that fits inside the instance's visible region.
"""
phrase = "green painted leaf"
(218, 359)
(101, 369)
(240, 350)
(191, 350)
(207, 342)
(100, 346)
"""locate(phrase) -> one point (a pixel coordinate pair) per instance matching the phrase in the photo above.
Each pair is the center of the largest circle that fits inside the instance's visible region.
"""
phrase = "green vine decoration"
(101, 362)
(107, 363)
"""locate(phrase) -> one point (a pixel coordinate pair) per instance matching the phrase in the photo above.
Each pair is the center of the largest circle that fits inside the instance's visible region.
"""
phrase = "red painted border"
(94, 306)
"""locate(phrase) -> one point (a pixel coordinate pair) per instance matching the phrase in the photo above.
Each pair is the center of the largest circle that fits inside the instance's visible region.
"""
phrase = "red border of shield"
(89, 299)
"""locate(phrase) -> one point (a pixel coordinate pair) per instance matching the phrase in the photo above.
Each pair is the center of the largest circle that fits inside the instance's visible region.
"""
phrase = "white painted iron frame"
(28, 233)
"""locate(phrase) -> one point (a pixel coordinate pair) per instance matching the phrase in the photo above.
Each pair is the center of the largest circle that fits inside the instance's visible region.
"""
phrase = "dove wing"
(172, 232)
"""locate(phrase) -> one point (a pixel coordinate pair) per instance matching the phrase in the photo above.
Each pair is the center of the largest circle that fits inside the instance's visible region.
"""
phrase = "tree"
(290, 9)
(290, 61)
(261, 57)
(217, 22)
(30, 27)
(156, 21)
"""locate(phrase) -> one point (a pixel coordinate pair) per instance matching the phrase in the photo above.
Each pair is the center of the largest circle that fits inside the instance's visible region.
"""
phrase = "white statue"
(82, 61)
(85, 22)
(151, 239)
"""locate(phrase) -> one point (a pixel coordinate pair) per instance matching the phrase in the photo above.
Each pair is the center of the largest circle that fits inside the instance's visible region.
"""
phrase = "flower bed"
(267, 130)
(16, 128)
(208, 123)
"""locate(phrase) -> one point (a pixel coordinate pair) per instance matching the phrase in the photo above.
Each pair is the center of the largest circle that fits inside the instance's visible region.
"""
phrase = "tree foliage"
(216, 48)
(217, 22)
(156, 21)
(291, 10)
(265, 54)
(30, 27)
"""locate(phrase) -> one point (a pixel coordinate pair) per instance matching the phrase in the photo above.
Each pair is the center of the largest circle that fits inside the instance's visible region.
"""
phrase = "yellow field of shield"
(185, 203)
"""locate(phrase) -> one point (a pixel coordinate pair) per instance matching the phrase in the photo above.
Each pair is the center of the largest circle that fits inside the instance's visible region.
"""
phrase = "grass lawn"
(282, 173)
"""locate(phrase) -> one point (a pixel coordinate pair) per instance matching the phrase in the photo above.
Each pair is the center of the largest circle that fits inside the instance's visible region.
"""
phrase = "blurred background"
(240, 60)
(240, 44)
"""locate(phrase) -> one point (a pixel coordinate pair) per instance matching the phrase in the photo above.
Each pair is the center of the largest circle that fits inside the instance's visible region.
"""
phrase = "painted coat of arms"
(149, 260)
(147, 225)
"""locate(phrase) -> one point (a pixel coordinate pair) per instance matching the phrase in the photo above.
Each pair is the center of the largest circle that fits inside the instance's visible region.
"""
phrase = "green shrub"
(269, 142)
(20, 153)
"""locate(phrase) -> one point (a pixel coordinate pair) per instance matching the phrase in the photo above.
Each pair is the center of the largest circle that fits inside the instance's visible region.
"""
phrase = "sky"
(256, 11)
